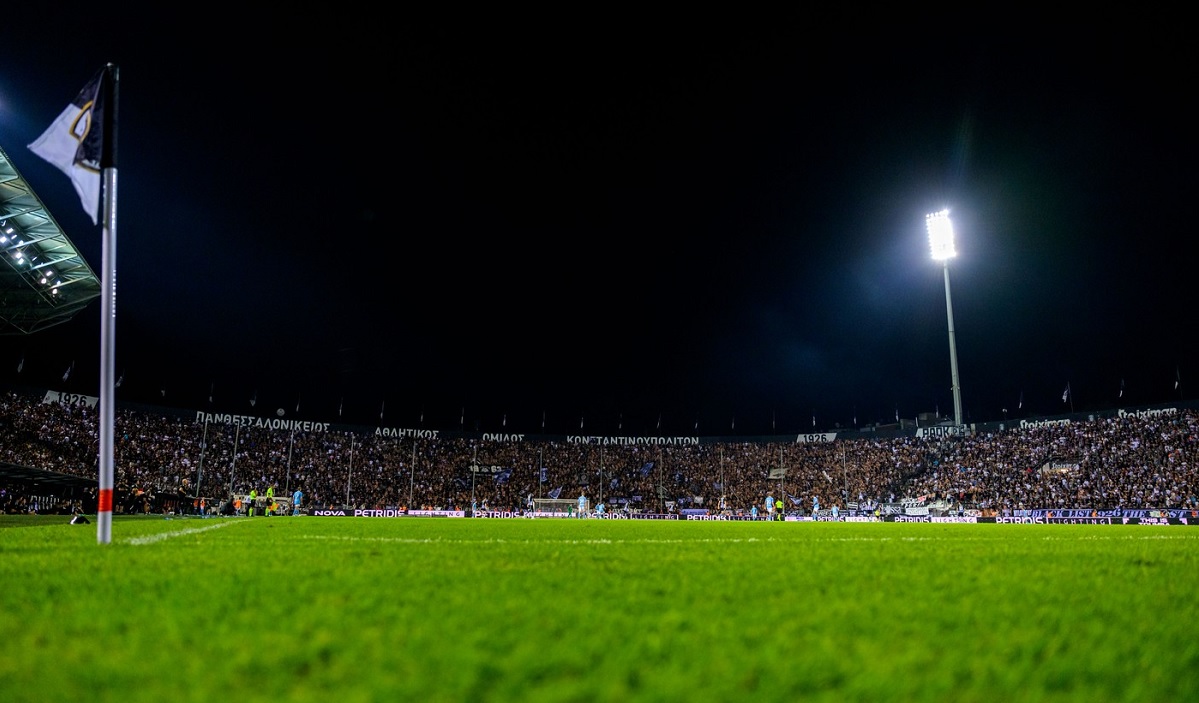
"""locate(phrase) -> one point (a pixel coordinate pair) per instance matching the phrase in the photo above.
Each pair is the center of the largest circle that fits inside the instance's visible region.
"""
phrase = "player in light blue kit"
(581, 512)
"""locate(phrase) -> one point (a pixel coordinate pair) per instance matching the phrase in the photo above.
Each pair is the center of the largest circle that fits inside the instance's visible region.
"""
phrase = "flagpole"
(203, 446)
(782, 476)
(845, 476)
(412, 474)
(350, 473)
(601, 482)
(291, 443)
(108, 313)
(233, 466)
(722, 478)
(661, 492)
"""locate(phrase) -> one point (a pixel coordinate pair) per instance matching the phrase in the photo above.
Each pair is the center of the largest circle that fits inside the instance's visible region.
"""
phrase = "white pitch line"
(880, 538)
(438, 540)
(148, 539)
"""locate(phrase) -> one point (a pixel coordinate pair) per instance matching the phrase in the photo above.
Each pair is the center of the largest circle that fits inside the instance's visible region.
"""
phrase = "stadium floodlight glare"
(940, 235)
(940, 238)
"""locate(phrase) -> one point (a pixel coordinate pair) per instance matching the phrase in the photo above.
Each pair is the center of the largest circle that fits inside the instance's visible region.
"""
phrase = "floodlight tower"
(940, 238)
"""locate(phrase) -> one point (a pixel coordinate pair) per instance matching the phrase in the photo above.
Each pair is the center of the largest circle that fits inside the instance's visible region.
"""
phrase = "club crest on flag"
(74, 142)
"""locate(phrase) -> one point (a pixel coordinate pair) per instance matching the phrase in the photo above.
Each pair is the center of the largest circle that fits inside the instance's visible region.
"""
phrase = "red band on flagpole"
(105, 505)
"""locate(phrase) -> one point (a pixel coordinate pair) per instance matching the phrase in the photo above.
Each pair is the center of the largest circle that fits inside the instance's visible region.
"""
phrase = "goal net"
(555, 507)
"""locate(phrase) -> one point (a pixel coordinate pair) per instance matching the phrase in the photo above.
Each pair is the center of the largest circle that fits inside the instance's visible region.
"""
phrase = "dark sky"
(644, 224)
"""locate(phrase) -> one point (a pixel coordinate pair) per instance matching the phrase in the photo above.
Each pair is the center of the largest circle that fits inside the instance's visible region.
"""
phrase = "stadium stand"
(166, 460)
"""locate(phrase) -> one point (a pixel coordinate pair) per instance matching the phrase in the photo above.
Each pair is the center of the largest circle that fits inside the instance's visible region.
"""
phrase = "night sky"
(622, 224)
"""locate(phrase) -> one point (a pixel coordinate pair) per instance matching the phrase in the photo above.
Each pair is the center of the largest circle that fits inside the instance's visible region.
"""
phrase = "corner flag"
(82, 143)
(75, 141)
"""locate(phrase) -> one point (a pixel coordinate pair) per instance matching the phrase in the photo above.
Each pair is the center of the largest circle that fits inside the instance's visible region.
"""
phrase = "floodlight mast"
(940, 238)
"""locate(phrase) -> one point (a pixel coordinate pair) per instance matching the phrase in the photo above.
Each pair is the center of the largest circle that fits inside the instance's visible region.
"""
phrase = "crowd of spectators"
(168, 462)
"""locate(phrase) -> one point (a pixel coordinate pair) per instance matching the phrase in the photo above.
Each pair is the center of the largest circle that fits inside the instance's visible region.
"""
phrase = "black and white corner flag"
(74, 142)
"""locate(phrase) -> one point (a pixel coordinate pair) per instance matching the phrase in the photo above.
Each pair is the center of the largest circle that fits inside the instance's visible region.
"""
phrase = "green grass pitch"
(406, 609)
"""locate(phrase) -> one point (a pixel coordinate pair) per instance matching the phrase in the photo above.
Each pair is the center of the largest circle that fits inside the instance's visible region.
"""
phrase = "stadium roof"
(15, 474)
(44, 281)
